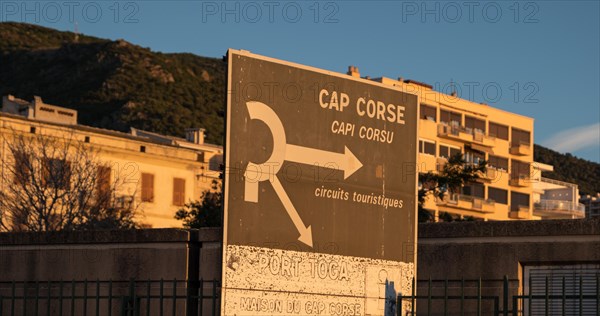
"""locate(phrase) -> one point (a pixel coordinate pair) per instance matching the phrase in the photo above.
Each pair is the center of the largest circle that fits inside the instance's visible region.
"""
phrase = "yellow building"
(159, 173)
(449, 125)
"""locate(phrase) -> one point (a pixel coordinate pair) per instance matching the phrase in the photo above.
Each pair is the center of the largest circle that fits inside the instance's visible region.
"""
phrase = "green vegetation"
(206, 212)
(456, 173)
(117, 85)
(569, 168)
(113, 84)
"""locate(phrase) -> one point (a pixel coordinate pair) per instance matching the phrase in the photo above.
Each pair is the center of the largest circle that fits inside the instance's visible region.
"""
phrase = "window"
(475, 124)
(520, 137)
(519, 169)
(474, 157)
(450, 118)
(474, 189)
(498, 195)
(518, 199)
(23, 168)
(56, 173)
(103, 184)
(428, 112)
(147, 187)
(178, 191)
(498, 162)
(498, 131)
(427, 147)
(447, 151)
(143, 149)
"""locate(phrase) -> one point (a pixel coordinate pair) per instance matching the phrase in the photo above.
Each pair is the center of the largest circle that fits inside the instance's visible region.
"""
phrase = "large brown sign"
(320, 191)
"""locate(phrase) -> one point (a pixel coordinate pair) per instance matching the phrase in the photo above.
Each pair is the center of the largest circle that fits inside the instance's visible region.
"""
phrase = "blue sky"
(542, 56)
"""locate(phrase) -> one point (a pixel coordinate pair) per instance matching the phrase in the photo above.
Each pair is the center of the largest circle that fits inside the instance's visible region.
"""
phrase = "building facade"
(553, 199)
(591, 204)
(450, 125)
(157, 174)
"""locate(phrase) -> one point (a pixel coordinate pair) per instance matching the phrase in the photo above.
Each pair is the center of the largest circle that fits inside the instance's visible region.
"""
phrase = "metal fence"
(119, 298)
(563, 296)
(546, 296)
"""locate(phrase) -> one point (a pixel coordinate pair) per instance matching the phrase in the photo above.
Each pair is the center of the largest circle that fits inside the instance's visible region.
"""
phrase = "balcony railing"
(559, 209)
(440, 162)
(490, 174)
(520, 148)
(520, 180)
(468, 202)
(466, 134)
(519, 212)
(560, 183)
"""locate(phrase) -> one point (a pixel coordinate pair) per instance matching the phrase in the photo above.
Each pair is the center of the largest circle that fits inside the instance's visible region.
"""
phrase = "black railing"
(119, 298)
(501, 298)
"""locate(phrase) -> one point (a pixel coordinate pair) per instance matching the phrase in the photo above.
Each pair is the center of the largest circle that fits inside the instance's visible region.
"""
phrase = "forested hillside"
(113, 84)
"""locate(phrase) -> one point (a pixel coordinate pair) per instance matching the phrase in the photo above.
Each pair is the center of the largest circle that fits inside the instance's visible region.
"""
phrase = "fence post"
(12, 299)
(479, 297)
(505, 298)
(546, 298)
(25, 298)
(398, 304)
(563, 295)
(580, 295)
(192, 273)
(462, 296)
(598, 292)
(49, 294)
(429, 297)
(529, 299)
(214, 297)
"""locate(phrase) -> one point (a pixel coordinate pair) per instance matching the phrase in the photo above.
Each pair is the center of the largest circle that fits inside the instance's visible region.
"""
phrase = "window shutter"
(147, 187)
(578, 280)
(178, 191)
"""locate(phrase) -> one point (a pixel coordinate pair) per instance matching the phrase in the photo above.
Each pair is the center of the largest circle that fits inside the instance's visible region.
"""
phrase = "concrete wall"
(117, 255)
(489, 250)
(492, 250)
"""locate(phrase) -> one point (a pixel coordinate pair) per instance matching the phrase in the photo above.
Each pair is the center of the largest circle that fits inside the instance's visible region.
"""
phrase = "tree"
(206, 212)
(56, 182)
(456, 173)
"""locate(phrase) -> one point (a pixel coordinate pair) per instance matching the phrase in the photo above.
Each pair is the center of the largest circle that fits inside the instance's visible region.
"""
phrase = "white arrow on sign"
(327, 159)
(282, 151)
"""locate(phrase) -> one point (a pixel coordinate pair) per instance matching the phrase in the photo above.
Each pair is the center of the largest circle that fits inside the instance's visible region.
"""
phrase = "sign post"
(320, 191)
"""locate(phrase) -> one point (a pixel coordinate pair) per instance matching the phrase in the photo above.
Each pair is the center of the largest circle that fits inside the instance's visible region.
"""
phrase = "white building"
(162, 173)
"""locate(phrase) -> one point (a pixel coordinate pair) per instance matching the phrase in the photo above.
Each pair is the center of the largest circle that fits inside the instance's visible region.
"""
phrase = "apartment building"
(553, 199)
(591, 204)
(450, 125)
(160, 173)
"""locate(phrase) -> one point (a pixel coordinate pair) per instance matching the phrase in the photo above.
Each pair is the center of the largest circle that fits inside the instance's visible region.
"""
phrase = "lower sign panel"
(265, 281)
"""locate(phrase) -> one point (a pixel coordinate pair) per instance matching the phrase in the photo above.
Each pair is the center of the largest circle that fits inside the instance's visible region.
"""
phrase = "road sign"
(320, 191)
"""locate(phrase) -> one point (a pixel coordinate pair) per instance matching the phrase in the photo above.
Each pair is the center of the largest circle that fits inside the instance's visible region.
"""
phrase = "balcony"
(440, 162)
(519, 212)
(483, 139)
(555, 209)
(521, 180)
(520, 149)
(489, 175)
(466, 134)
(468, 202)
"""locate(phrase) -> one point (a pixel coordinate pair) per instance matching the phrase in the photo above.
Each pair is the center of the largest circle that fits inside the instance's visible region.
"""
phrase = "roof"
(101, 131)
